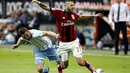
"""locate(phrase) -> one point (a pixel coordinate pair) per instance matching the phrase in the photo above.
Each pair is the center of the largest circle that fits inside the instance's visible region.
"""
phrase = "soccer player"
(67, 35)
(42, 46)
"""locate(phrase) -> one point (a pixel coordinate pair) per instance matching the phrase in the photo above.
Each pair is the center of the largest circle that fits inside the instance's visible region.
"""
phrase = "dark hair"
(22, 30)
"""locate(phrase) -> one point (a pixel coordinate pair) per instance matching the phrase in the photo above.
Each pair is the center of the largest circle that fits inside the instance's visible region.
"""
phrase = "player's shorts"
(50, 53)
(65, 48)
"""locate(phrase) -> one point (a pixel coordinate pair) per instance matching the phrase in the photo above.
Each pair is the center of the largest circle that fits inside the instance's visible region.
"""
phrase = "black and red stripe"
(67, 31)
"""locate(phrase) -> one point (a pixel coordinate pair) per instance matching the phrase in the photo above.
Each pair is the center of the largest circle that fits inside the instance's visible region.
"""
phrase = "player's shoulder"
(75, 14)
(36, 33)
(33, 31)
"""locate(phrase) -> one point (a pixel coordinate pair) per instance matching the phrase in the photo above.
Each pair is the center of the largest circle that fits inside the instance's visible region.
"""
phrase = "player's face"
(70, 6)
(26, 35)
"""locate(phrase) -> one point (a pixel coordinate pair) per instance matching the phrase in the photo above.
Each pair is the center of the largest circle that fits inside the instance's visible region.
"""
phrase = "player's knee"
(66, 64)
(80, 61)
(80, 64)
(39, 69)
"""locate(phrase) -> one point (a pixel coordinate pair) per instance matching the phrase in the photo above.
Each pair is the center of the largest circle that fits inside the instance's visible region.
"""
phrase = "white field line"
(19, 62)
(84, 53)
(17, 50)
(22, 50)
(92, 54)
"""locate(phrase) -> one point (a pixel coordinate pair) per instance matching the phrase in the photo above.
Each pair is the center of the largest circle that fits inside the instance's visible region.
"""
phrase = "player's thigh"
(77, 50)
(52, 54)
(64, 51)
(39, 60)
(64, 56)
(39, 57)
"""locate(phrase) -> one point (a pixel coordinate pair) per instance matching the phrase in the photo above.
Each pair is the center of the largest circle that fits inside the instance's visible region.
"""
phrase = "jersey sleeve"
(36, 33)
(21, 38)
(56, 12)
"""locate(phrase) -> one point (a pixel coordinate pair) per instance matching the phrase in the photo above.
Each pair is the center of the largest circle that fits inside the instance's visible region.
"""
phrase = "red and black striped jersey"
(65, 24)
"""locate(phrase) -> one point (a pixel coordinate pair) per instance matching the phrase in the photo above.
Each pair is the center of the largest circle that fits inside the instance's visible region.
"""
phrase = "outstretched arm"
(18, 43)
(89, 16)
(50, 33)
(42, 5)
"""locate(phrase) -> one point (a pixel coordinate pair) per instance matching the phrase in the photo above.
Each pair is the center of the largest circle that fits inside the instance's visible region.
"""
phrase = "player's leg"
(52, 54)
(64, 54)
(42, 69)
(64, 64)
(77, 53)
(84, 63)
(39, 61)
(64, 58)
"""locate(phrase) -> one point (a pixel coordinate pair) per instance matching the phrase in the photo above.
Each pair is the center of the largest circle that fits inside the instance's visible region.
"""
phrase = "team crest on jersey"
(73, 17)
(63, 17)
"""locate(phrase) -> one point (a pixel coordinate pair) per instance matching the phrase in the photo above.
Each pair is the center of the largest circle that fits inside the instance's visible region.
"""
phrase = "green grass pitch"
(21, 61)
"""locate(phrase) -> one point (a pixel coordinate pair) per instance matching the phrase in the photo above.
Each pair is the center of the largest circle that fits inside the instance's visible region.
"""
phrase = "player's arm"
(89, 16)
(17, 44)
(85, 16)
(42, 5)
(50, 33)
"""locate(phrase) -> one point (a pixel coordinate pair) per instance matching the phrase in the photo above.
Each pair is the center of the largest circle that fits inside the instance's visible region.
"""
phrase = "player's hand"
(14, 46)
(99, 15)
(57, 36)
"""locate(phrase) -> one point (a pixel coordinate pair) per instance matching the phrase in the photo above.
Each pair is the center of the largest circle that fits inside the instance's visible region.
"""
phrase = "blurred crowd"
(17, 19)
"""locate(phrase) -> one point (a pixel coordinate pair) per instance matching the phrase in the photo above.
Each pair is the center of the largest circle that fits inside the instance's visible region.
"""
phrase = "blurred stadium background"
(96, 33)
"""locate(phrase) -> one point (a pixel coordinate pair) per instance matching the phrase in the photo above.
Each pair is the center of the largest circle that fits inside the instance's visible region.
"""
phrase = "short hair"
(68, 2)
(22, 30)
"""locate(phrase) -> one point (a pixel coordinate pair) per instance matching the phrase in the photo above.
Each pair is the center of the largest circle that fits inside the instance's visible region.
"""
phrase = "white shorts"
(65, 48)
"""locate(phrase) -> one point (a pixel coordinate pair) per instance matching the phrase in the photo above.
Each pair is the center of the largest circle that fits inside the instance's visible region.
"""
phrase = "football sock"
(89, 66)
(45, 69)
(59, 69)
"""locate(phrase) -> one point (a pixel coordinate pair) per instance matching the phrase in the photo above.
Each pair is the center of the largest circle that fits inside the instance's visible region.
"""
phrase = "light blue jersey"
(42, 47)
(38, 40)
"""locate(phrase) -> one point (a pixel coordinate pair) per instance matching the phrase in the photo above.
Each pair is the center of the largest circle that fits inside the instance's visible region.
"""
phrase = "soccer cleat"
(60, 72)
(98, 71)
(48, 70)
(94, 72)
(59, 69)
